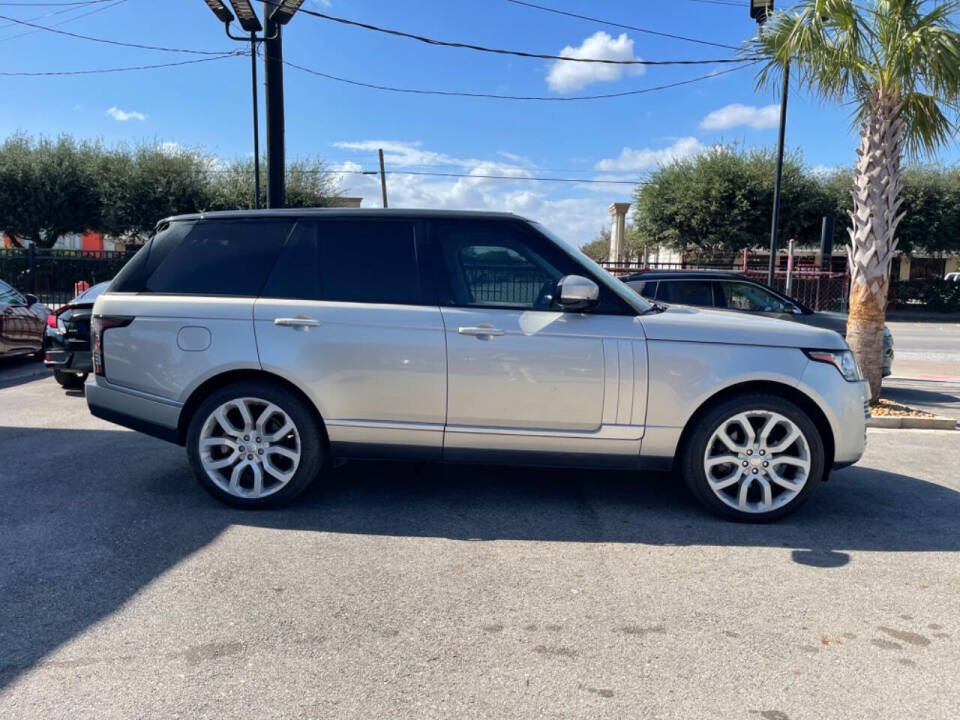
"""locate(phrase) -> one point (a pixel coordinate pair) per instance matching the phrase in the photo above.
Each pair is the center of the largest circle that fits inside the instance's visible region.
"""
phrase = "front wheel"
(255, 445)
(754, 458)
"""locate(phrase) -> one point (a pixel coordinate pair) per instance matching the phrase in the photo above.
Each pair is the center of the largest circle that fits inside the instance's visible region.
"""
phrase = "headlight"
(842, 360)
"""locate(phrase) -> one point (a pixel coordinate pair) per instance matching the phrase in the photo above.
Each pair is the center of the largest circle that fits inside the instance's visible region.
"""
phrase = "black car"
(66, 342)
(732, 291)
(21, 322)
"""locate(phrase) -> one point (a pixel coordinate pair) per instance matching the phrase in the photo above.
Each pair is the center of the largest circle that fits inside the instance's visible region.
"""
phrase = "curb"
(912, 423)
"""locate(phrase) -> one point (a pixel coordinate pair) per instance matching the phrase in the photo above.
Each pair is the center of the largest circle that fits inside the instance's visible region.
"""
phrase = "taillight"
(52, 320)
(98, 326)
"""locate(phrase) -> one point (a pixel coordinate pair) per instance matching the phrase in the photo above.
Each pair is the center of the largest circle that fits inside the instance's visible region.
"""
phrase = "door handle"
(297, 322)
(482, 330)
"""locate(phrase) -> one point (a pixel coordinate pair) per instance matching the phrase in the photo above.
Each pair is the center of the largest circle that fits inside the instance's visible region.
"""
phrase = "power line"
(52, 4)
(502, 51)
(542, 98)
(96, 10)
(108, 41)
(645, 31)
(121, 69)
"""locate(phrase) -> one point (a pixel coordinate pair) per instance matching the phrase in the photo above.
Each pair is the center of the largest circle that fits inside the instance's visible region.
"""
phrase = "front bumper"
(846, 406)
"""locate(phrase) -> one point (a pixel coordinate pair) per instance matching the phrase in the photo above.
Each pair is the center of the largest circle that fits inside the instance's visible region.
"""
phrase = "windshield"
(621, 290)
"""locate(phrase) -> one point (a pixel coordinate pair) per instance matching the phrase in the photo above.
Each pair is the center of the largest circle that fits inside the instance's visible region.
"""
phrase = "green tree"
(309, 184)
(718, 202)
(47, 188)
(897, 64)
(598, 249)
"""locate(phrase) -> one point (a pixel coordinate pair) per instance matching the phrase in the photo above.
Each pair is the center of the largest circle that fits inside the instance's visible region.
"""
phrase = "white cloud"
(399, 153)
(736, 114)
(574, 217)
(565, 76)
(648, 158)
(124, 115)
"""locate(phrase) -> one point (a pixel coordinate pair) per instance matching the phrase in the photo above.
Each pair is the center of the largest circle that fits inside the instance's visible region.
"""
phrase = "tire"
(791, 470)
(281, 476)
(68, 380)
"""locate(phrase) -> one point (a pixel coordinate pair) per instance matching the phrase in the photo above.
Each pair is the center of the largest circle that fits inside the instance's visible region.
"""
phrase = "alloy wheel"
(757, 461)
(249, 447)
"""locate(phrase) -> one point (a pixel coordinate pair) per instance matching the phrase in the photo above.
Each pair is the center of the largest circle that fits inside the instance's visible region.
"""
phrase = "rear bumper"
(77, 361)
(133, 410)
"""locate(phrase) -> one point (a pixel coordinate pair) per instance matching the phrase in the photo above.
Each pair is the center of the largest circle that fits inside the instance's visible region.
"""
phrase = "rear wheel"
(69, 380)
(255, 445)
(754, 458)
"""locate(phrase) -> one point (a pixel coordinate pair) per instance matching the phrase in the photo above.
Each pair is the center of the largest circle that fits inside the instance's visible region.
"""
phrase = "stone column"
(618, 211)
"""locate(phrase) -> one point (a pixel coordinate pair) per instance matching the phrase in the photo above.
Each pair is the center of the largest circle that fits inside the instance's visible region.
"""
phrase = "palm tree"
(897, 64)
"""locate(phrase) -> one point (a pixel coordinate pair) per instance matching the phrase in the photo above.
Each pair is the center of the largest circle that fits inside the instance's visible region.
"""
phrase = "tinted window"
(221, 257)
(134, 275)
(644, 288)
(686, 292)
(746, 296)
(491, 265)
(9, 296)
(371, 261)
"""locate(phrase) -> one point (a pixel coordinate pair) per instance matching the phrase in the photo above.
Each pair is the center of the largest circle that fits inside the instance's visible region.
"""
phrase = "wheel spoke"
(791, 485)
(222, 462)
(744, 490)
(224, 422)
(235, 478)
(786, 442)
(241, 406)
(282, 432)
(268, 412)
(767, 493)
(721, 459)
(768, 427)
(257, 480)
(728, 441)
(744, 421)
(218, 441)
(725, 482)
(790, 460)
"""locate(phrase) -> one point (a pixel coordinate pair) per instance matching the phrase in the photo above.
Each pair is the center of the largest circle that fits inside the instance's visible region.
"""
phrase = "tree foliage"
(52, 187)
(718, 202)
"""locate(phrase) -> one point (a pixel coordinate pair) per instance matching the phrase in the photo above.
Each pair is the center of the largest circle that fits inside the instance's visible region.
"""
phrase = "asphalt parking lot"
(426, 591)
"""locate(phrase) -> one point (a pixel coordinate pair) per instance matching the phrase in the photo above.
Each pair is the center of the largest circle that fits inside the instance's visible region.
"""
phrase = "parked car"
(66, 341)
(22, 319)
(732, 291)
(952, 276)
(269, 342)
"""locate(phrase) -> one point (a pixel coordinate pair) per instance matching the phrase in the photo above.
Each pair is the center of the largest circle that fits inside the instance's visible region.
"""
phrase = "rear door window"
(749, 298)
(363, 261)
(220, 257)
(686, 292)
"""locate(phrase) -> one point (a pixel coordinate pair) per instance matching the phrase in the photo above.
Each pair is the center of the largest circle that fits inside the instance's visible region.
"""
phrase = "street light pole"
(273, 94)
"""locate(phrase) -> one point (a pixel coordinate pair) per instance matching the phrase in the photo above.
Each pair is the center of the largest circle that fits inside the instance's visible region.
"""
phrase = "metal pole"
(256, 123)
(273, 80)
(775, 220)
(383, 179)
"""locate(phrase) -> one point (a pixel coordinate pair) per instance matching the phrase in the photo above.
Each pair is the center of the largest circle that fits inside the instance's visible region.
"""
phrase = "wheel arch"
(211, 385)
(788, 392)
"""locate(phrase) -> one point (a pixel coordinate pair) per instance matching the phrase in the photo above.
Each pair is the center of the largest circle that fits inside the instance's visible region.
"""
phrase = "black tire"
(68, 380)
(309, 428)
(695, 447)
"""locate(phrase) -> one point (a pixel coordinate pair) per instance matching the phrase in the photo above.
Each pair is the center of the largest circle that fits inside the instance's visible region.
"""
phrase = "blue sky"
(207, 105)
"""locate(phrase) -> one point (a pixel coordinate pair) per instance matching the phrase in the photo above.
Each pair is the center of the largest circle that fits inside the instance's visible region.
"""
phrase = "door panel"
(376, 372)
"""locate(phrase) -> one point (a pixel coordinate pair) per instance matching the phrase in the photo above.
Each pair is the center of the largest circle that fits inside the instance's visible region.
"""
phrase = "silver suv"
(271, 342)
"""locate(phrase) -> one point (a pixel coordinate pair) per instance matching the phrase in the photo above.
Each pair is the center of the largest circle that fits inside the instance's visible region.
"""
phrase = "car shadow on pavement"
(19, 370)
(91, 517)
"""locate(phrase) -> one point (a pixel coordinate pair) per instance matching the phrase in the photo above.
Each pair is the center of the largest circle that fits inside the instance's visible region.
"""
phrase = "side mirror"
(576, 293)
(795, 309)
(31, 299)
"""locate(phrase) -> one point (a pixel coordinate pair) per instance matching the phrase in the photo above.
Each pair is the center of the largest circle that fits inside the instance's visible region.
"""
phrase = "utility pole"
(273, 92)
(760, 10)
(775, 219)
(383, 179)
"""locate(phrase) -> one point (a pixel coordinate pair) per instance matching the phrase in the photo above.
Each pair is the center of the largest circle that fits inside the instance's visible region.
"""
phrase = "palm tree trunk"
(875, 216)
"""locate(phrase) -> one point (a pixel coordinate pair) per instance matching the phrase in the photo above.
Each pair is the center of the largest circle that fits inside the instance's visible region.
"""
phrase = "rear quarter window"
(215, 257)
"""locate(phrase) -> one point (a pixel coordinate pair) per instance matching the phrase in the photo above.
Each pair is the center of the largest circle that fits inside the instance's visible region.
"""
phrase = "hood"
(682, 323)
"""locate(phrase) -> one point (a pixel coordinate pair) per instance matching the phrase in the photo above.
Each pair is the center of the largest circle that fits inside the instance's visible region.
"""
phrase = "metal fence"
(51, 274)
